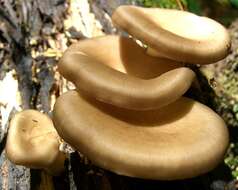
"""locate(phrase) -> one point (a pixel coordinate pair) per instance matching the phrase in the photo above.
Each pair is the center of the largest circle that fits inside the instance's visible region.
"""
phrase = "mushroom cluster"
(127, 113)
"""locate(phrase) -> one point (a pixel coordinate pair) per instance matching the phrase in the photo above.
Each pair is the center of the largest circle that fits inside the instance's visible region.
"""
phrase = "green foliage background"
(171, 4)
(222, 10)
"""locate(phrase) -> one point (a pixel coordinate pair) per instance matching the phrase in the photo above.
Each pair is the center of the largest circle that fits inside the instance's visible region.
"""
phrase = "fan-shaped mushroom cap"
(87, 63)
(32, 141)
(174, 34)
(181, 140)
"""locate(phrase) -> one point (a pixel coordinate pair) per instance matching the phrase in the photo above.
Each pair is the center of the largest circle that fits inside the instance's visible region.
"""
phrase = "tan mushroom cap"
(117, 71)
(32, 141)
(181, 140)
(174, 34)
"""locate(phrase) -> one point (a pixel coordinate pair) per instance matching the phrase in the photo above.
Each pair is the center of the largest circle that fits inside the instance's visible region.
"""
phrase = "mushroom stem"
(46, 182)
(57, 166)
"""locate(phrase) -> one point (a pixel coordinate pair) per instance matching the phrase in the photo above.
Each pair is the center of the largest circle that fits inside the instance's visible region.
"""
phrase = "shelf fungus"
(181, 140)
(122, 74)
(175, 34)
(33, 142)
(127, 113)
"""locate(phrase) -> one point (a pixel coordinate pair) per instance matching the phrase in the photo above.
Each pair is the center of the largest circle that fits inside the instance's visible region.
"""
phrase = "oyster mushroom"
(121, 74)
(181, 140)
(175, 34)
(33, 142)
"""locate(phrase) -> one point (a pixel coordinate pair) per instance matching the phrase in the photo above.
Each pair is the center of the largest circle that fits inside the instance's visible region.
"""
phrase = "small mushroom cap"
(32, 141)
(181, 140)
(121, 74)
(174, 34)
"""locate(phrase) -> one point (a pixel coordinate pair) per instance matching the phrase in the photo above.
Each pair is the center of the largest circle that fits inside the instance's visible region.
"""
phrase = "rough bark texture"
(33, 35)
